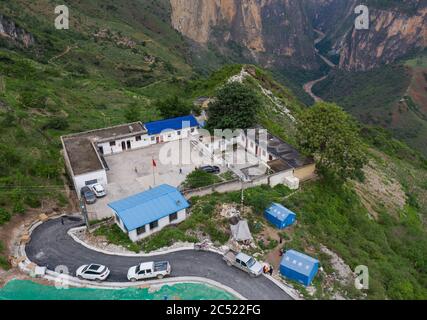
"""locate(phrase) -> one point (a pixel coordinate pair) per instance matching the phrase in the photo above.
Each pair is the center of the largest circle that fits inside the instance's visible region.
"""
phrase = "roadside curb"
(72, 233)
(28, 267)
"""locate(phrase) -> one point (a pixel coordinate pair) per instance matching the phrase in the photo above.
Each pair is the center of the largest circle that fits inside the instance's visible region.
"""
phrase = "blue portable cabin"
(299, 267)
(280, 216)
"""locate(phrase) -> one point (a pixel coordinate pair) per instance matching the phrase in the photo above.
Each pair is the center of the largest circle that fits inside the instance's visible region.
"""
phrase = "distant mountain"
(280, 33)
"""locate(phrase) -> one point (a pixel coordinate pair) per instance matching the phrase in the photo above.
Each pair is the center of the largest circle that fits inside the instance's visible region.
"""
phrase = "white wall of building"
(81, 180)
(136, 142)
(164, 222)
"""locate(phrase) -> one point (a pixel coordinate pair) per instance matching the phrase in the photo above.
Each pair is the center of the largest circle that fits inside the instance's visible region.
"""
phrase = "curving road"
(51, 246)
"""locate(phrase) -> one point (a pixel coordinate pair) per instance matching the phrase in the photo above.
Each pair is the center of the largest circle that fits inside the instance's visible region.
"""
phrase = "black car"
(210, 169)
(88, 195)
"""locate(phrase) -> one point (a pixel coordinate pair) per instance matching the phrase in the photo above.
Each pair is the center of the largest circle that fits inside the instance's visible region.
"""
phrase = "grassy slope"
(89, 86)
(88, 89)
(374, 97)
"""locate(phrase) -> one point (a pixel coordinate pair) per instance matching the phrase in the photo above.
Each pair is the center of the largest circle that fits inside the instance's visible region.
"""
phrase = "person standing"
(271, 271)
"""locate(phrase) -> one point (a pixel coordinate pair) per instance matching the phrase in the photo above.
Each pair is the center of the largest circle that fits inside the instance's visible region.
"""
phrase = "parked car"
(94, 272)
(148, 270)
(210, 169)
(243, 262)
(99, 190)
(88, 195)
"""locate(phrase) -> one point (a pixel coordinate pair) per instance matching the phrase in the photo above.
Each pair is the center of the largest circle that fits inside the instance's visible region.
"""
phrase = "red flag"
(154, 163)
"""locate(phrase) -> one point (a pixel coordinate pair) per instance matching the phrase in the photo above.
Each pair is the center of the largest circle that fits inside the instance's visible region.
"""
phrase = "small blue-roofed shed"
(174, 124)
(145, 213)
(299, 267)
(280, 216)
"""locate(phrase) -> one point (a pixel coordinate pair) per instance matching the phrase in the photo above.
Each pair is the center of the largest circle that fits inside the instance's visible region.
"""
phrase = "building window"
(179, 132)
(140, 230)
(112, 143)
(154, 225)
(153, 138)
(173, 217)
(138, 138)
(192, 130)
(271, 157)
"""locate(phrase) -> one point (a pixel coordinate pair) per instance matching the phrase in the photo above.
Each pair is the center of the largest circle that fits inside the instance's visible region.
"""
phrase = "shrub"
(56, 123)
(4, 216)
(199, 178)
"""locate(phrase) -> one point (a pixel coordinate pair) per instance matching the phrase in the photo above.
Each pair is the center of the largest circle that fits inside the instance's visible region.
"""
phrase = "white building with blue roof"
(148, 212)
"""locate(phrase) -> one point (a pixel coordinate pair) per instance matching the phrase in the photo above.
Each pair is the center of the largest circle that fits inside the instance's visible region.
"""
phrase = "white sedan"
(99, 190)
(94, 272)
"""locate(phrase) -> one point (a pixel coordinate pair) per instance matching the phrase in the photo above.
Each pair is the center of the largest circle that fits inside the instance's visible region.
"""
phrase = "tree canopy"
(173, 107)
(235, 107)
(332, 136)
(132, 112)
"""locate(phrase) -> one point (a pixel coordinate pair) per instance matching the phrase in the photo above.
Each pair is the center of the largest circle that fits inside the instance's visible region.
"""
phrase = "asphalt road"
(51, 246)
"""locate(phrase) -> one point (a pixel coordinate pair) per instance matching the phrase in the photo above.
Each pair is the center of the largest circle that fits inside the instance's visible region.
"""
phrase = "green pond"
(28, 290)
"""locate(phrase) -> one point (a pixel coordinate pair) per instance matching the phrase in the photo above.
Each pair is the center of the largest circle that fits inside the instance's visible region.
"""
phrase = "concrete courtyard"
(131, 172)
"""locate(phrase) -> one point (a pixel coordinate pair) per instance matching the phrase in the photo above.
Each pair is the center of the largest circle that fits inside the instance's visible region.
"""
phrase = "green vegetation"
(381, 97)
(4, 263)
(235, 107)
(116, 236)
(331, 136)
(366, 95)
(199, 178)
(173, 107)
(4, 216)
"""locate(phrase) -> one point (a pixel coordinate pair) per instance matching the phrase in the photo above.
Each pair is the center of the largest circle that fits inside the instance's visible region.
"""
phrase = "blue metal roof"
(279, 212)
(144, 208)
(157, 127)
(299, 262)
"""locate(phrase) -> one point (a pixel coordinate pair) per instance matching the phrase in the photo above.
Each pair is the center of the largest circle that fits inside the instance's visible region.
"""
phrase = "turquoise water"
(28, 290)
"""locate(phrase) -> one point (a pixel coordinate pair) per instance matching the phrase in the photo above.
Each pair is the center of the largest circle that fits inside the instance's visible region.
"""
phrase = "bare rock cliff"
(274, 32)
(392, 34)
(9, 30)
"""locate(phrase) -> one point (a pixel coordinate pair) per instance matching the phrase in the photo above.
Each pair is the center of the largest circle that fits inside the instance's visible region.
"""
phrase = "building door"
(129, 144)
(157, 139)
(101, 150)
(123, 146)
(256, 150)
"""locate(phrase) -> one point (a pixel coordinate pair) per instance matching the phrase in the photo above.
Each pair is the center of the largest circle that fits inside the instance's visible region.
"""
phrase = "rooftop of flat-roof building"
(283, 151)
(82, 151)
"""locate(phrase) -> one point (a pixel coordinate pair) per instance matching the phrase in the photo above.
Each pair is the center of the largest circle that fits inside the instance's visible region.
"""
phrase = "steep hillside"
(397, 28)
(72, 80)
(268, 32)
(121, 57)
(393, 97)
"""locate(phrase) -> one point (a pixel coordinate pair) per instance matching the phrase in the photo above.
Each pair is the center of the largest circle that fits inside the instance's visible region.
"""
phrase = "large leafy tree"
(332, 136)
(173, 107)
(235, 107)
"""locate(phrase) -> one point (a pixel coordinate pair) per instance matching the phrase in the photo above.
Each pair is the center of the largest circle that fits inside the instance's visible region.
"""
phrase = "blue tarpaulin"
(157, 127)
(279, 216)
(152, 205)
(299, 267)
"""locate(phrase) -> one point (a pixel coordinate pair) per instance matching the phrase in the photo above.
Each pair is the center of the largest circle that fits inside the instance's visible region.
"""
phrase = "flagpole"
(154, 175)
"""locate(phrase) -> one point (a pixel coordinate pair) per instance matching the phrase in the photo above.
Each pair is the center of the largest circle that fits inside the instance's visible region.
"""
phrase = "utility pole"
(83, 210)
(242, 196)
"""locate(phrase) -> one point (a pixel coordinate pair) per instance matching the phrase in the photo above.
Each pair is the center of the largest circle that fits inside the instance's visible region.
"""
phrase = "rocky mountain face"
(395, 30)
(10, 31)
(280, 32)
(270, 32)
